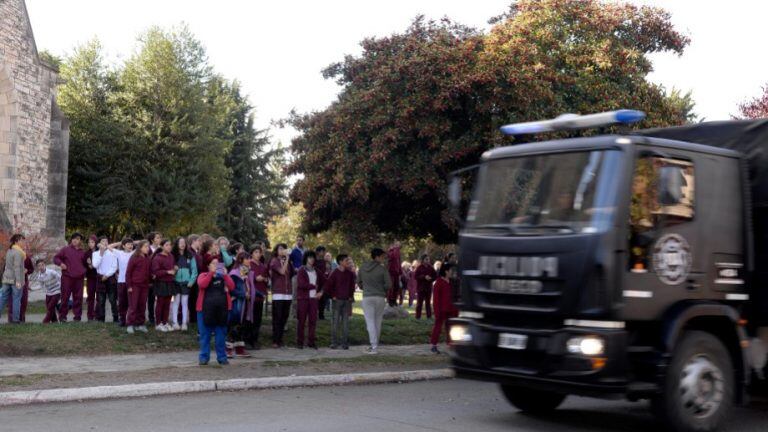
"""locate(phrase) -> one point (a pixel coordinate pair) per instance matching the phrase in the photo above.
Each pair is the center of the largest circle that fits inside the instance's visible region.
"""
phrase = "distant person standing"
(258, 289)
(281, 272)
(323, 270)
(154, 239)
(185, 278)
(307, 293)
(444, 307)
(73, 262)
(91, 278)
(123, 256)
(395, 270)
(375, 281)
(413, 284)
(164, 272)
(105, 263)
(13, 277)
(138, 277)
(425, 277)
(340, 286)
(297, 259)
(213, 306)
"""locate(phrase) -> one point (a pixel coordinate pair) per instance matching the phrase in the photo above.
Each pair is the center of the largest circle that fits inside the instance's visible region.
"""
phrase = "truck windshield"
(562, 193)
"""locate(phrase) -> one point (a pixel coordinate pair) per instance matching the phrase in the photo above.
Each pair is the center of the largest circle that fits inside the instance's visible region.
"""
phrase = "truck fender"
(709, 317)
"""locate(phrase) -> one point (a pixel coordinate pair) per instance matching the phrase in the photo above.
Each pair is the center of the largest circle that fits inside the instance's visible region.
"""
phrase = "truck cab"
(611, 266)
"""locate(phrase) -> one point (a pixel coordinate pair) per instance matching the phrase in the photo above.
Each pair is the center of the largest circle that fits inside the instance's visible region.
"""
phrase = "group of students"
(227, 286)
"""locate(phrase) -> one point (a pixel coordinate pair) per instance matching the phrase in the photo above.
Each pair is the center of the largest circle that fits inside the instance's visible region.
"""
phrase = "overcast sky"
(277, 48)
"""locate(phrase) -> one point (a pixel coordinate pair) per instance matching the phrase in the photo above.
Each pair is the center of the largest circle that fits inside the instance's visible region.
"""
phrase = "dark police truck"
(631, 265)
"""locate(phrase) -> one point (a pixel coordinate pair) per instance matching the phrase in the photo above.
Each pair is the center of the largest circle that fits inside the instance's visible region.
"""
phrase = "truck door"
(665, 264)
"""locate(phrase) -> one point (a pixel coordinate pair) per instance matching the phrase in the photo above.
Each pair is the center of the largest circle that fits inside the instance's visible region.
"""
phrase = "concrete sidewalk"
(138, 362)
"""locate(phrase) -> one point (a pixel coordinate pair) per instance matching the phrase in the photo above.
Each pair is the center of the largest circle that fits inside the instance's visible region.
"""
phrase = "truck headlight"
(586, 345)
(460, 334)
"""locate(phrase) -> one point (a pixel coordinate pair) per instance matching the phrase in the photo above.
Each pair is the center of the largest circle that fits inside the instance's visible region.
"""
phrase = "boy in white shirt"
(105, 263)
(50, 281)
(123, 255)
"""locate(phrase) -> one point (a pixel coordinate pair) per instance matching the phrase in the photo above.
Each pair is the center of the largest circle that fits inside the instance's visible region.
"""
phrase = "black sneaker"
(345, 347)
(434, 350)
(203, 363)
(334, 347)
(224, 363)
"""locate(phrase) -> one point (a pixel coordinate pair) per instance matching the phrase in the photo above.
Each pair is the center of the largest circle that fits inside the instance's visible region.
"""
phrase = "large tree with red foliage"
(416, 105)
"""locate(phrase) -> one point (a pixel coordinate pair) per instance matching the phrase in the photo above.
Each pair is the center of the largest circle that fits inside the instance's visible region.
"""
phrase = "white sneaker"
(184, 327)
(371, 350)
(129, 329)
(175, 327)
(162, 328)
(142, 328)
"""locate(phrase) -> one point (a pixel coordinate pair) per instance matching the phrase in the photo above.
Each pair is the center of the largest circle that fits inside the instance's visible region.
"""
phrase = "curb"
(183, 387)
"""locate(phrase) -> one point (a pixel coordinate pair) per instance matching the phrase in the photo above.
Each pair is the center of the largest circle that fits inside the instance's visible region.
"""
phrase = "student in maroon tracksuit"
(163, 273)
(73, 262)
(280, 271)
(91, 278)
(258, 288)
(307, 294)
(444, 307)
(425, 277)
(138, 277)
(395, 271)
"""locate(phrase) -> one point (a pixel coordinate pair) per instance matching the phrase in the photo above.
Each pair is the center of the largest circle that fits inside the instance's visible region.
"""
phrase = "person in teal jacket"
(186, 275)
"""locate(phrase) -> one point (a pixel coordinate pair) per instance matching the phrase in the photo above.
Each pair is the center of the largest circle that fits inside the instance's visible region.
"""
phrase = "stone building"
(34, 135)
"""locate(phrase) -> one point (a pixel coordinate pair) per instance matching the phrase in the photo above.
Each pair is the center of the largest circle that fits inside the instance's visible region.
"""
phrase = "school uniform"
(138, 276)
(282, 297)
(213, 306)
(444, 309)
(164, 285)
(235, 339)
(306, 305)
(106, 267)
(424, 288)
(184, 279)
(91, 285)
(72, 280)
(395, 268)
(340, 287)
(122, 288)
(254, 309)
(322, 274)
(50, 281)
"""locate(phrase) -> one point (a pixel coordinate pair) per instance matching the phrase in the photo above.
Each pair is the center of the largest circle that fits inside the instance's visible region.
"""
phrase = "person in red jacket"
(395, 267)
(163, 273)
(213, 306)
(307, 295)
(425, 277)
(138, 276)
(280, 271)
(73, 262)
(444, 307)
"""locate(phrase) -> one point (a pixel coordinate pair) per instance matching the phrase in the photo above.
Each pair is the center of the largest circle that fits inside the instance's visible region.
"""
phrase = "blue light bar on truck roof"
(574, 121)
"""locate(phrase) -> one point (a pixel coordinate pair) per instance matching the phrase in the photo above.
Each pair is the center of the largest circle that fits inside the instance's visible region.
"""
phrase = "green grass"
(93, 338)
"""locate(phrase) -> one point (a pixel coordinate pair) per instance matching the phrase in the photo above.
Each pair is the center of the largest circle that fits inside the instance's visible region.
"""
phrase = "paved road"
(452, 405)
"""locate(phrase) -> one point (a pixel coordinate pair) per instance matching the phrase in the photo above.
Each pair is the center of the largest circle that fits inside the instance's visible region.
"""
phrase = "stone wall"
(34, 136)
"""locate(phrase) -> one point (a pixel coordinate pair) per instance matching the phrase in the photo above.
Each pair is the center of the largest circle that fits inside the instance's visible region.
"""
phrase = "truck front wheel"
(698, 390)
(532, 401)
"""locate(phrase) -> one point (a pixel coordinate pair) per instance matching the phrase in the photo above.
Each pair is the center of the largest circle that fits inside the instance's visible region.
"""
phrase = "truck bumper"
(545, 362)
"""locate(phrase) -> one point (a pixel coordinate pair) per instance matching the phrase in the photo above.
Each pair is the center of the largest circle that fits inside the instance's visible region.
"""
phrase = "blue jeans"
(220, 340)
(15, 293)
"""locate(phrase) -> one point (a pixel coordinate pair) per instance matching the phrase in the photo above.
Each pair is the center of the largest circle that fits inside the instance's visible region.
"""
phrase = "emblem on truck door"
(672, 259)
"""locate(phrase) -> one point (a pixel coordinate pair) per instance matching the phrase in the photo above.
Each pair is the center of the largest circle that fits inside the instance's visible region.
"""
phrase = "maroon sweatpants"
(91, 286)
(50, 308)
(122, 302)
(393, 291)
(71, 287)
(162, 309)
(424, 296)
(306, 310)
(441, 320)
(137, 305)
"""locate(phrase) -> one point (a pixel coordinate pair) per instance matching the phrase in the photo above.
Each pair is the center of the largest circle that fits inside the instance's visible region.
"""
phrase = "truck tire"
(532, 401)
(699, 386)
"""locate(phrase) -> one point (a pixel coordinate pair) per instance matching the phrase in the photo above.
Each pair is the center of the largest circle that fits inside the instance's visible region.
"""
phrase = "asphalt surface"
(449, 405)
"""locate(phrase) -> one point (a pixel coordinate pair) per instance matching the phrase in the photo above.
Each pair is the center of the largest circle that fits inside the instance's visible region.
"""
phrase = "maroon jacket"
(138, 272)
(161, 265)
(304, 285)
(395, 262)
(74, 259)
(341, 285)
(443, 298)
(281, 283)
(322, 273)
(199, 261)
(422, 272)
(259, 269)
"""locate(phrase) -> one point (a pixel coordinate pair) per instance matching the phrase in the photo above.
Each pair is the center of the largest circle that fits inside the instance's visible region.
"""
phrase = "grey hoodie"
(374, 279)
